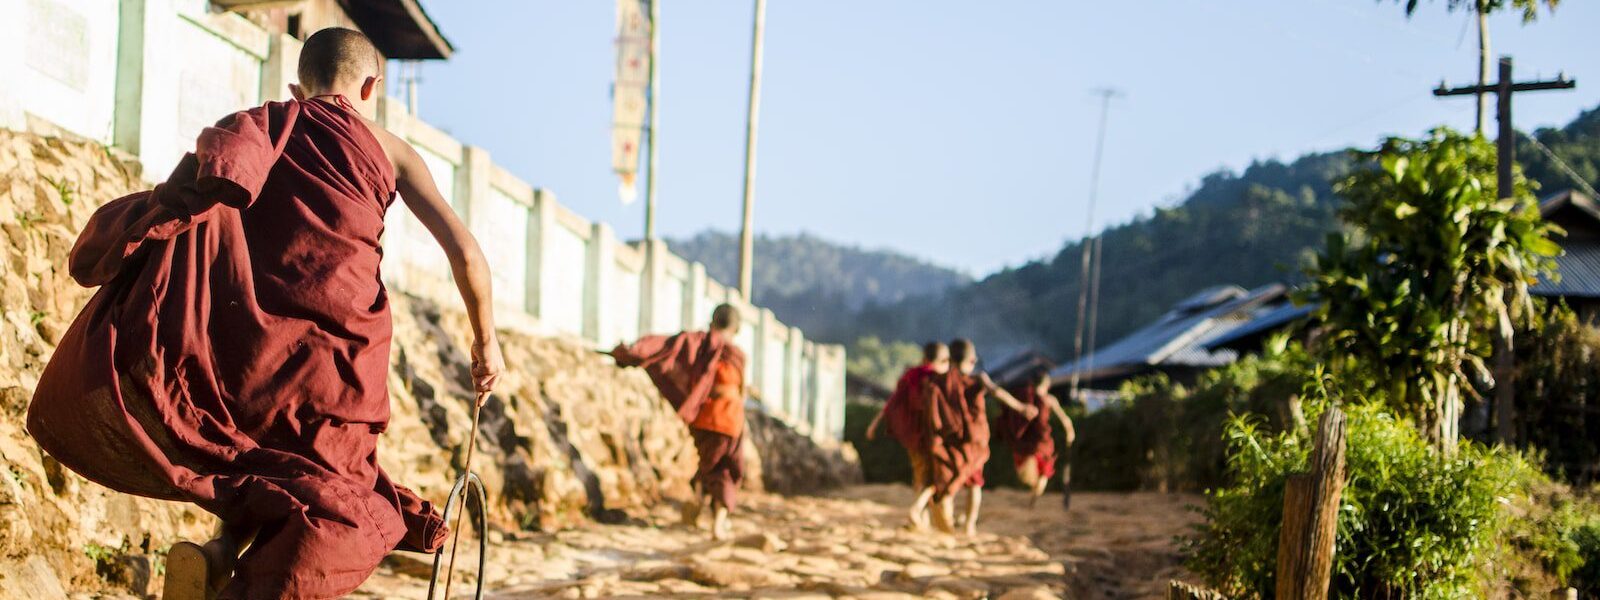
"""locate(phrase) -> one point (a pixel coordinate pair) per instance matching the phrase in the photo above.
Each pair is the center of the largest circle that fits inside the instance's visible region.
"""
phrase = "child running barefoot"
(958, 440)
(1033, 449)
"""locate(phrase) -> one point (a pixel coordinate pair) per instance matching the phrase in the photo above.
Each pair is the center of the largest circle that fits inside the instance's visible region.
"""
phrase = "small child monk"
(236, 354)
(906, 424)
(701, 374)
(958, 433)
(1033, 449)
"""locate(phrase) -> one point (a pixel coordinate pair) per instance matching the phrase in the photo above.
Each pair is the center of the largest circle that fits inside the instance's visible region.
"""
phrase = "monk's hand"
(1030, 411)
(487, 365)
(872, 432)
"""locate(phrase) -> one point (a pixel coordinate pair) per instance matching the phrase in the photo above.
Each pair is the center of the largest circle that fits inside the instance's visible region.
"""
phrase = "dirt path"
(849, 544)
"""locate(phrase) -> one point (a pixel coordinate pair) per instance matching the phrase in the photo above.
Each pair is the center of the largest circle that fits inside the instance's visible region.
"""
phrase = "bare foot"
(690, 512)
(196, 572)
(721, 528)
(941, 519)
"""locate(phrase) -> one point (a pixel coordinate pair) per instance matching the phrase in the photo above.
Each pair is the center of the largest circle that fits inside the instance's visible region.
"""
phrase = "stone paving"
(851, 544)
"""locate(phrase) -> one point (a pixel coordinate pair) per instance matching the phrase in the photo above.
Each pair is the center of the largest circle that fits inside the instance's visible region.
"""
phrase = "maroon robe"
(236, 354)
(683, 367)
(958, 431)
(1029, 439)
(902, 411)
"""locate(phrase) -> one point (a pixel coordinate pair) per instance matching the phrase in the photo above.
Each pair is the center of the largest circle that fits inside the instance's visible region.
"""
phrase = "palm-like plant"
(1482, 9)
(1433, 267)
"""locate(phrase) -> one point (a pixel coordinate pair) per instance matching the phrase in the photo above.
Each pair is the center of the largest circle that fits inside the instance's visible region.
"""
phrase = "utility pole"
(746, 241)
(1090, 276)
(408, 72)
(1505, 157)
(654, 123)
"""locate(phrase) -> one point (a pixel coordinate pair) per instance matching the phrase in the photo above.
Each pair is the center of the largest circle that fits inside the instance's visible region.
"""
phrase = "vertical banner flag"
(629, 92)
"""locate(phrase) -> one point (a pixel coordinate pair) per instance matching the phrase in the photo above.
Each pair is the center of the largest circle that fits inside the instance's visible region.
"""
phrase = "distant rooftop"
(1186, 337)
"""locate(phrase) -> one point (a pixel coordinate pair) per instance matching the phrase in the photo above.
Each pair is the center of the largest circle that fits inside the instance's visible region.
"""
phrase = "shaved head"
(725, 318)
(337, 57)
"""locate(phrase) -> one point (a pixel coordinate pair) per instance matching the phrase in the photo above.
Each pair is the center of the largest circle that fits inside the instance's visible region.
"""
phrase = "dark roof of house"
(1016, 367)
(1183, 337)
(1579, 263)
(1271, 317)
(399, 28)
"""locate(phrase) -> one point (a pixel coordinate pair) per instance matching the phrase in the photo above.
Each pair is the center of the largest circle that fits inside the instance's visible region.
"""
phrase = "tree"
(1433, 266)
(1482, 9)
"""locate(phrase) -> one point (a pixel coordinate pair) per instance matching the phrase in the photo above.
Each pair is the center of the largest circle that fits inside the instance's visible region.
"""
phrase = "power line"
(1576, 178)
(1089, 275)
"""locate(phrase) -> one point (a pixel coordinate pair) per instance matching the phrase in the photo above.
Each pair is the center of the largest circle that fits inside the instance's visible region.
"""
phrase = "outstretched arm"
(467, 264)
(1066, 421)
(872, 430)
(1005, 397)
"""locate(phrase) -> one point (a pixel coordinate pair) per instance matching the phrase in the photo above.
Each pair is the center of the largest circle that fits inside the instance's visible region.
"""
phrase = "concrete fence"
(146, 75)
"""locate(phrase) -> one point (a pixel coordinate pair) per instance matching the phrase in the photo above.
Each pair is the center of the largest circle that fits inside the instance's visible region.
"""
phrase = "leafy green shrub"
(882, 460)
(1413, 523)
(1557, 392)
(1586, 577)
(1164, 436)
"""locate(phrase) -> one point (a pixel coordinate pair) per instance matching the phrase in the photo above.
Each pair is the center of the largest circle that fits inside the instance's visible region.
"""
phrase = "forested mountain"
(1247, 228)
(819, 285)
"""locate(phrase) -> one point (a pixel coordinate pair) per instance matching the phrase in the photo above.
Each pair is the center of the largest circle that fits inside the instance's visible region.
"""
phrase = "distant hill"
(1248, 228)
(816, 284)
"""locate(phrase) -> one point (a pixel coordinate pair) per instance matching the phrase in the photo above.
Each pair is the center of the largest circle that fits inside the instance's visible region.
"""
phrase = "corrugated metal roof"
(1579, 267)
(1266, 319)
(1175, 339)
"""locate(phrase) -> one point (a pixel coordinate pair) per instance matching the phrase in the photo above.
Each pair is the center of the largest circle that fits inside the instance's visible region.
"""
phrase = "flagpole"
(654, 123)
(746, 242)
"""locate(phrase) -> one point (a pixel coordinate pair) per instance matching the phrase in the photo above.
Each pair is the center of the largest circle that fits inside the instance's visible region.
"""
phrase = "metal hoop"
(481, 524)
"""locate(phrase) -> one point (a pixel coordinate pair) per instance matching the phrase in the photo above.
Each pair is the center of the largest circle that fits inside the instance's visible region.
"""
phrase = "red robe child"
(1030, 439)
(958, 431)
(907, 421)
(701, 374)
(236, 354)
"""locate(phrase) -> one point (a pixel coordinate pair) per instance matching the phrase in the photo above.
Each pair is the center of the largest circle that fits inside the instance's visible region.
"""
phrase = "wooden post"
(1311, 516)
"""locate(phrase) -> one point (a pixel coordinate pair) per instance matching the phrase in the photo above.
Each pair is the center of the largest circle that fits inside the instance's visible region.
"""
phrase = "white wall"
(61, 65)
(148, 75)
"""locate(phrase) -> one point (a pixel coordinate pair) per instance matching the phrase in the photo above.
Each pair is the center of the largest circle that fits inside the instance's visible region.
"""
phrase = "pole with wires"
(1089, 266)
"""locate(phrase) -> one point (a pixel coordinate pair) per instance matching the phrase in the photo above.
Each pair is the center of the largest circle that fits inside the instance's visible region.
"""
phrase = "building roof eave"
(400, 29)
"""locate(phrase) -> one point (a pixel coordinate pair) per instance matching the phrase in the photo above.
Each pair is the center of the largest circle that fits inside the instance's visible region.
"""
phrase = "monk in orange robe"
(236, 354)
(906, 423)
(701, 374)
(1033, 448)
(958, 433)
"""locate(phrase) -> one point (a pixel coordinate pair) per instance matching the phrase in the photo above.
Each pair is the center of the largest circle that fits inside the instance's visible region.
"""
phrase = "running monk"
(958, 428)
(1033, 449)
(237, 352)
(701, 374)
(907, 423)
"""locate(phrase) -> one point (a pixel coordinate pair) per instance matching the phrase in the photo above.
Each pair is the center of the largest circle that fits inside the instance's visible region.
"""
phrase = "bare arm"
(1066, 421)
(467, 263)
(872, 430)
(1005, 397)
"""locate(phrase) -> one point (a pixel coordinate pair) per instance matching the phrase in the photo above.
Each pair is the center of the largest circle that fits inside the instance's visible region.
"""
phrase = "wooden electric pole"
(654, 125)
(1505, 157)
(1506, 144)
(1090, 276)
(746, 241)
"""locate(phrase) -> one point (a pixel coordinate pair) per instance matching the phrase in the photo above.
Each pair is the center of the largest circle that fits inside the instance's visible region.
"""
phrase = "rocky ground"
(848, 544)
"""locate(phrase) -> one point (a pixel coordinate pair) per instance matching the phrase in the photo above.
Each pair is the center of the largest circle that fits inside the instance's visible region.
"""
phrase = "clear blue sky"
(962, 132)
